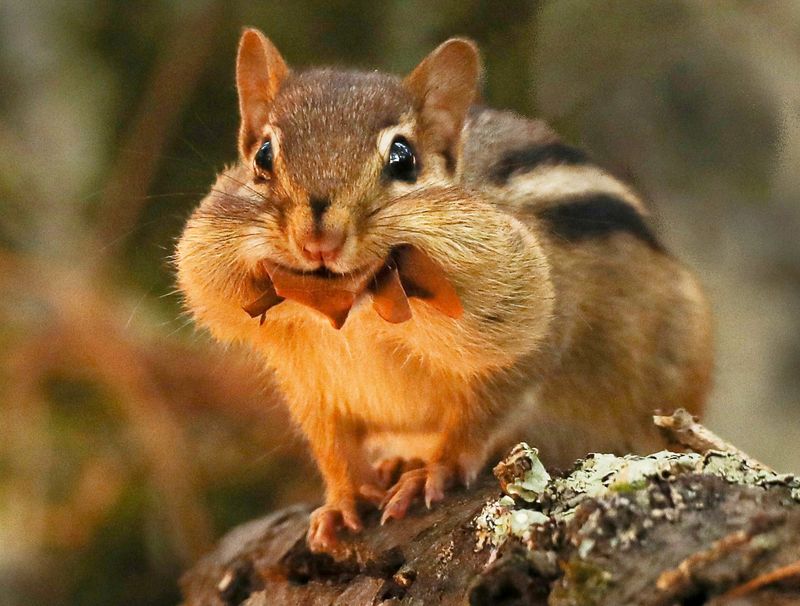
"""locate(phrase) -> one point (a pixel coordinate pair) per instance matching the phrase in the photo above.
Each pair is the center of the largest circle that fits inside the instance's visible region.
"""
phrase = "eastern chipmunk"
(552, 313)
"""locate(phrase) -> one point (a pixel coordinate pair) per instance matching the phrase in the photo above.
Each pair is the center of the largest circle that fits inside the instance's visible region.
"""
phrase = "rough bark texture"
(660, 530)
(430, 553)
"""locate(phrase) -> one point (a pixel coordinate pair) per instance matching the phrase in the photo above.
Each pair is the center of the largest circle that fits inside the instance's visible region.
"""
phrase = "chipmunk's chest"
(381, 375)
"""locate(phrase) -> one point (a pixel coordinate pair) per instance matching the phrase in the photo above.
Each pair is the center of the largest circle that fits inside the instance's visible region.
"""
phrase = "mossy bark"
(683, 537)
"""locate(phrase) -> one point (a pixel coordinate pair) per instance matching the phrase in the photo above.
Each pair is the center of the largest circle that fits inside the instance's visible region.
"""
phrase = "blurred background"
(128, 441)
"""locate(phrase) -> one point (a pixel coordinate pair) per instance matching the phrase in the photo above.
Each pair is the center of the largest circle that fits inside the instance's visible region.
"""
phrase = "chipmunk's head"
(327, 149)
(328, 159)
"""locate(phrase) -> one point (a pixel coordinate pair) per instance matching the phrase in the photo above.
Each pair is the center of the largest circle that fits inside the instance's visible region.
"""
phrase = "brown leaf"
(424, 279)
(409, 273)
(266, 301)
(389, 299)
(333, 297)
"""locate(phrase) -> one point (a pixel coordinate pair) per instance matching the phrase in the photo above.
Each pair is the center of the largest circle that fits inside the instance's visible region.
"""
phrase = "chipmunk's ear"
(443, 86)
(260, 70)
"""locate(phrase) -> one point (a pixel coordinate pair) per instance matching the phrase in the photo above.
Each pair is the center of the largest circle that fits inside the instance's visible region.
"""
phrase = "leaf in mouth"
(389, 298)
(424, 279)
(264, 303)
(408, 273)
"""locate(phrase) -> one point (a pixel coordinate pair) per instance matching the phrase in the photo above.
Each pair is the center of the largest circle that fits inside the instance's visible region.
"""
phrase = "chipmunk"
(435, 281)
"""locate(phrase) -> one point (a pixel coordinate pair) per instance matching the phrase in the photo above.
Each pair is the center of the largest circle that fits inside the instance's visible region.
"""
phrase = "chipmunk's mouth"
(406, 272)
(326, 274)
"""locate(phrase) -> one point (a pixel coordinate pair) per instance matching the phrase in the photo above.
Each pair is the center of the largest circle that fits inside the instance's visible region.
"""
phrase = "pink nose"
(324, 247)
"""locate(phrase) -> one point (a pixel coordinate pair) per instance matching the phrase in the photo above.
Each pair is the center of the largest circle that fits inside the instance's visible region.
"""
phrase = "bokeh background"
(128, 441)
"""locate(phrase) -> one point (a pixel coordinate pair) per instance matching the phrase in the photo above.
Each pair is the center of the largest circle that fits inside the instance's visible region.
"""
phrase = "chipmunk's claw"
(389, 470)
(372, 494)
(429, 482)
(325, 523)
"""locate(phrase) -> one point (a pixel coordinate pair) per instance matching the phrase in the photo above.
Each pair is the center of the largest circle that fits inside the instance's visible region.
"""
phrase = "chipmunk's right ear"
(260, 70)
(443, 86)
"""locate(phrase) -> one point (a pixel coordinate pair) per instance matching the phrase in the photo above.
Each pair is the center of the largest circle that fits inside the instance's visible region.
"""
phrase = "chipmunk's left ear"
(260, 70)
(443, 86)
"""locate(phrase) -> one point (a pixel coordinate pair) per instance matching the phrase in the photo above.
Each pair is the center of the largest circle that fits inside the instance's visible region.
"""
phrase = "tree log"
(670, 528)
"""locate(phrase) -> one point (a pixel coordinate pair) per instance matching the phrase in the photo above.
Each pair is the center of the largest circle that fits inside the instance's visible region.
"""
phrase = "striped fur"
(596, 215)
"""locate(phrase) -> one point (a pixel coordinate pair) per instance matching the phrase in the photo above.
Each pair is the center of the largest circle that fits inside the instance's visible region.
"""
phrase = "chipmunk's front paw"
(389, 470)
(430, 482)
(325, 523)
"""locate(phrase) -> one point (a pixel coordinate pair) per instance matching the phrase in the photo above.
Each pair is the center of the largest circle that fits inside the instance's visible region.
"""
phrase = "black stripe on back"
(528, 158)
(597, 216)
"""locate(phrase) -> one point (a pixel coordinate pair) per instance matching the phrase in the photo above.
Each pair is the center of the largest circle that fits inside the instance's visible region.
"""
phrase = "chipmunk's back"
(632, 329)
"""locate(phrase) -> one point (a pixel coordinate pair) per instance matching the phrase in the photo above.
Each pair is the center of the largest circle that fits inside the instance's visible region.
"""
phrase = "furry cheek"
(258, 243)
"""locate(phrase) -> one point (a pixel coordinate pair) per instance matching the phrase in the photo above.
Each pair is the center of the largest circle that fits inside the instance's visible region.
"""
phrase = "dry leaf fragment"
(408, 273)
(333, 297)
(264, 303)
(424, 279)
(388, 297)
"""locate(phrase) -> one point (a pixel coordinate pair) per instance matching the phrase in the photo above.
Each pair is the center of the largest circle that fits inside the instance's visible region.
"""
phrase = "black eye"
(402, 164)
(263, 158)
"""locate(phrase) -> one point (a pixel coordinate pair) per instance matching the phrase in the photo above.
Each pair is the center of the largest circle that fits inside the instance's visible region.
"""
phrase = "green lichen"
(499, 520)
(532, 498)
(627, 487)
(735, 470)
(522, 474)
(600, 475)
(583, 584)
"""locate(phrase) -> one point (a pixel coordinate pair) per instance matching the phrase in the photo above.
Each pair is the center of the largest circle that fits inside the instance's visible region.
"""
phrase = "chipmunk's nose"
(323, 246)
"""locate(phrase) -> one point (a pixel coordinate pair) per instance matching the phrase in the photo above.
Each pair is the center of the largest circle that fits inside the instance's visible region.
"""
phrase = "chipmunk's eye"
(402, 164)
(263, 157)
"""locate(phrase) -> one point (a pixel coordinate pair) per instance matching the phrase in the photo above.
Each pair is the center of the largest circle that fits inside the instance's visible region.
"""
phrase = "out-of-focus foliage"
(127, 441)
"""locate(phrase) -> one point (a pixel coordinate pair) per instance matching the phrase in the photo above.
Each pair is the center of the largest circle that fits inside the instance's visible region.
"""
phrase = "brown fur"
(570, 345)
